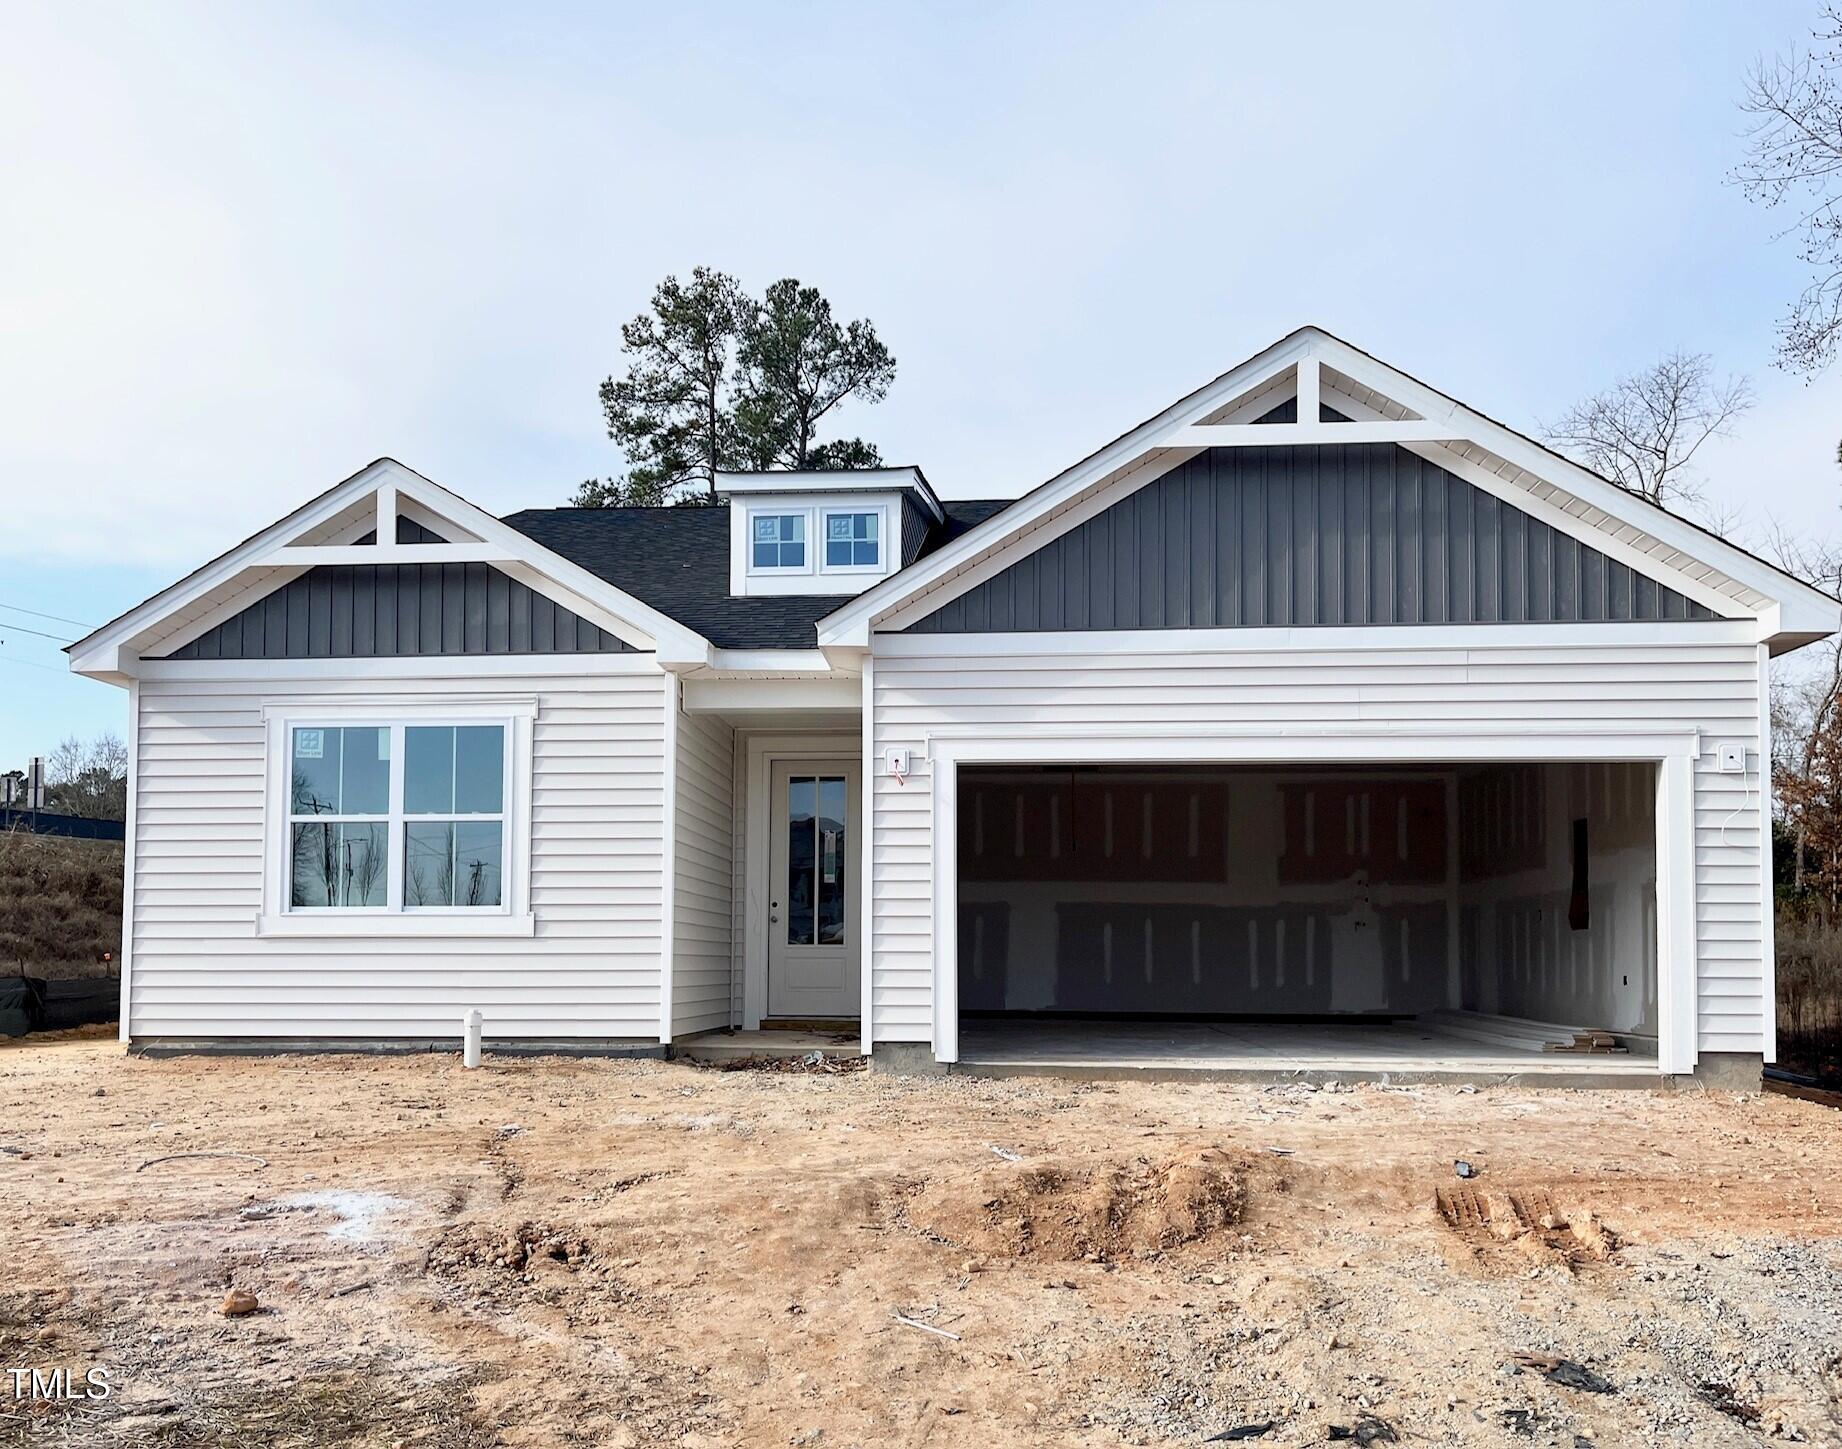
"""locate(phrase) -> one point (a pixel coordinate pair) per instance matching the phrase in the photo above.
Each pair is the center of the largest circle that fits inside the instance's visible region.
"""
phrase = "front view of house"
(1317, 723)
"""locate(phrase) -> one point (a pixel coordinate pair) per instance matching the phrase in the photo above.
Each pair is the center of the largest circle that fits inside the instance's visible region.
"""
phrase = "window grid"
(851, 540)
(395, 820)
(777, 541)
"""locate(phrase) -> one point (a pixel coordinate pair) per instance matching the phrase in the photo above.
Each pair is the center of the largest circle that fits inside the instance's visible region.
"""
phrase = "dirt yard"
(553, 1251)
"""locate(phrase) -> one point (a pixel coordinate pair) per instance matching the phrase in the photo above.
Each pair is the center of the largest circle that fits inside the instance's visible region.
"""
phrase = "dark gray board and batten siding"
(1290, 537)
(370, 611)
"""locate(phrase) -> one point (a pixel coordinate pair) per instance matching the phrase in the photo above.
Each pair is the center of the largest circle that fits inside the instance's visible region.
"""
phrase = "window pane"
(428, 864)
(338, 865)
(832, 821)
(478, 861)
(453, 770)
(428, 770)
(779, 541)
(802, 799)
(452, 863)
(850, 540)
(340, 771)
(366, 789)
(479, 769)
(315, 786)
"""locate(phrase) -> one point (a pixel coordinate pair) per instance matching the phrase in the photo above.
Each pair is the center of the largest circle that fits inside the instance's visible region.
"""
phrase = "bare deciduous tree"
(1643, 432)
(1806, 720)
(1794, 159)
(89, 778)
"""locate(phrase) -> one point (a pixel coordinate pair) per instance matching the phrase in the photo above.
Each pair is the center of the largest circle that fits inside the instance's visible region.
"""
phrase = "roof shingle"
(677, 560)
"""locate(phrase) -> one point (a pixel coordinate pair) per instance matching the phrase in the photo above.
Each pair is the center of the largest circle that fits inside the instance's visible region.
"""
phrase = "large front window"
(394, 817)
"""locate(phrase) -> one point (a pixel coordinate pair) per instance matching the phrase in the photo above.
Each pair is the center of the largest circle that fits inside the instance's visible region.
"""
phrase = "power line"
(6, 628)
(38, 614)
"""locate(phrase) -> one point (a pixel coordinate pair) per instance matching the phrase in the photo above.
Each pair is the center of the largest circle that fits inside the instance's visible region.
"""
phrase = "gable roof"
(658, 579)
(327, 529)
(1386, 405)
(677, 560)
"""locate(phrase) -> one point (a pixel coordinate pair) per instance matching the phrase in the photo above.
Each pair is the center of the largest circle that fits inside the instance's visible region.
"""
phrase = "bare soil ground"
(554, 1251)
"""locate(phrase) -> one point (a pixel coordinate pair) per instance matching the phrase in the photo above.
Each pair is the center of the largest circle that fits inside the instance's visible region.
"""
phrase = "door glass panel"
(802, 804)
(833, 815)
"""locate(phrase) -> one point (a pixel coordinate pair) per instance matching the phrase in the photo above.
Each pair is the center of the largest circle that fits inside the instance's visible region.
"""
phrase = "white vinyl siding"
(591, 969)
(1032, 682)
(704, 883)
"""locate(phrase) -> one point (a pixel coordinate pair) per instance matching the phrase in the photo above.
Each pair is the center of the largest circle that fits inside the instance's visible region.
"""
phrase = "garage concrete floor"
(1411, 1049)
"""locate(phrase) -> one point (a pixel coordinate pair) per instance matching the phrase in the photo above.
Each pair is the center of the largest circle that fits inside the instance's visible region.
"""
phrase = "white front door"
(812, 895)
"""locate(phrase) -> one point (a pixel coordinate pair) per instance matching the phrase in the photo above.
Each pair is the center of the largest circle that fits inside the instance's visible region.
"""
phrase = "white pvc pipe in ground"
(470, 1051)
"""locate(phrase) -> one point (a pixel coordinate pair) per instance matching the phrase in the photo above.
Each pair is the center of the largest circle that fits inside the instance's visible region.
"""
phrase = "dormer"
(824, 532)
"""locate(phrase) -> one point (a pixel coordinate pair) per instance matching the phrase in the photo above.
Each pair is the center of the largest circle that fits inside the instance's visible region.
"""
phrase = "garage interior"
(1471, 917)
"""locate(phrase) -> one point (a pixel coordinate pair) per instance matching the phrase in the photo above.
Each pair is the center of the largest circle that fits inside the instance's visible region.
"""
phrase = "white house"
(1317, 723)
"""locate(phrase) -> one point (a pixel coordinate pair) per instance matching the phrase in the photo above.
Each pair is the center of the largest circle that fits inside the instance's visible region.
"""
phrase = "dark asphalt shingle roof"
(677, 560)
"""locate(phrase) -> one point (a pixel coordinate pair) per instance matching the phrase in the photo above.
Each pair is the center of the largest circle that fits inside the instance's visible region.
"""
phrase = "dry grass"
(60, 904)
(1809, 994)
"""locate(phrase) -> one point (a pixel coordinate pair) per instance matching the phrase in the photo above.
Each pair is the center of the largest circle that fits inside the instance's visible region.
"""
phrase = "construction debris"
(907, 1322)
(1368, 1429)
(1565, 1372)
(1596, 1042)
(181, 1156)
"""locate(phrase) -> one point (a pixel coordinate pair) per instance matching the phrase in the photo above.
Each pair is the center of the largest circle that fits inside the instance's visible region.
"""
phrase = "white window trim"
(747, 581)
(512, 917)
(777, 571)
(878, 511)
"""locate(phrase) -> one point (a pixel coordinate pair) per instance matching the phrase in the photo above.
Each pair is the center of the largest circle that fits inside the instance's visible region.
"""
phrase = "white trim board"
(668, 860)
(1359, 639)
(386, 669)
(1673, 753)
(759, 751)
(126, 1009)
(513, 917)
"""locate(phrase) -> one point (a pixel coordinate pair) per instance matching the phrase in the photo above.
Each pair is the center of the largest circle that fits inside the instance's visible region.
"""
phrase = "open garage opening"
(1461, 917)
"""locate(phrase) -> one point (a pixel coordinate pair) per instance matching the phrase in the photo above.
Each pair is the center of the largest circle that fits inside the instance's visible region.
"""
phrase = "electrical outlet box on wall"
(1732, 758)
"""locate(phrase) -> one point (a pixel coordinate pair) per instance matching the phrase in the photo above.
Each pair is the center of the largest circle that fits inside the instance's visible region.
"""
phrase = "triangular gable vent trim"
(494, 589)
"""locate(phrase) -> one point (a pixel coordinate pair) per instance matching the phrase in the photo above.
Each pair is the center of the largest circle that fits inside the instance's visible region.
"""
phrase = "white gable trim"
(1427, 422)
(278, 554)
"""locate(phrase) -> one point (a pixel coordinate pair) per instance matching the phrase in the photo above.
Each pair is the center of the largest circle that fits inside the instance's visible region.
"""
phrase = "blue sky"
(246, 249)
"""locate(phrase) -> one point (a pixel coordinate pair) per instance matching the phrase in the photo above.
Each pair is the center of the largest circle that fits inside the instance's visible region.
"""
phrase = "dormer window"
(834, 532)
(853, 541)
(779, 541)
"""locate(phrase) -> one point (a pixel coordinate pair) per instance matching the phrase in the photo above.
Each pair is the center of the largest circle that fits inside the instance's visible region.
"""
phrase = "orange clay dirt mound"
(1069, 1210)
